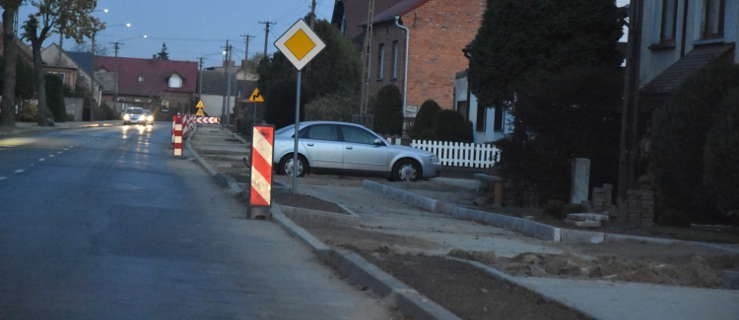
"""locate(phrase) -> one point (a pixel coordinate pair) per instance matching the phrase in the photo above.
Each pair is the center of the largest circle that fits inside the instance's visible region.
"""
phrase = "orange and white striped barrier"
(261, 166)
(177, 135)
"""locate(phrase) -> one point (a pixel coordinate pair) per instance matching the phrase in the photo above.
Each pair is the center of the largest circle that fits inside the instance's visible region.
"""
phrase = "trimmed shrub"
(679, 134)
(423, 127)
(389, 111)
(451, 126)
(55, 97)
(332, 107)
(721, 158)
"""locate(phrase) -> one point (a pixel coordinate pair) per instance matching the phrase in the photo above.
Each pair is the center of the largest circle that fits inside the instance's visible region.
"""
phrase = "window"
(669, 18)
(713, 20)
(140, 79)
(320, 132)
(498, 122)
(481, 118)
(175, 81)
(357, 135)
(395, 60)
(381, 62)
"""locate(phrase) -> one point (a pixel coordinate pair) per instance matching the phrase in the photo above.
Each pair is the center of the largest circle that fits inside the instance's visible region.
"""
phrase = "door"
(361, 152)
(322, 146)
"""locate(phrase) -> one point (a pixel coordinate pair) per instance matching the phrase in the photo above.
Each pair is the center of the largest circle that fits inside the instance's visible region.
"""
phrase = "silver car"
(137, 115)
(350, 147)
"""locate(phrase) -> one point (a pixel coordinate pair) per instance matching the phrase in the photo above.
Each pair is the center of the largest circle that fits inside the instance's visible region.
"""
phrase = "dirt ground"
(467, 291)
(696, 271)
(306, 201)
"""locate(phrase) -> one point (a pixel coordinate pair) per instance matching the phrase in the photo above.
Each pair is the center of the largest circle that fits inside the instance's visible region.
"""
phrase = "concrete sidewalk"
(639, 301)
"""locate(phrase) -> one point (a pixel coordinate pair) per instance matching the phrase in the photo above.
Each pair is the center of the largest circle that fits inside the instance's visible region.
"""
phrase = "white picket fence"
(459, 154)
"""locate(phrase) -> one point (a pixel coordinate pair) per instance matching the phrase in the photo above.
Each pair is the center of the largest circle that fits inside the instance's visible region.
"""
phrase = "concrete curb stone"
(317, 216)
(359, 271)
(527, 227)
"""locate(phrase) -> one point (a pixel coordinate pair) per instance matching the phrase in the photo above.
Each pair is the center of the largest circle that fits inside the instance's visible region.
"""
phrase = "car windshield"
(285, 130)
(135, 111)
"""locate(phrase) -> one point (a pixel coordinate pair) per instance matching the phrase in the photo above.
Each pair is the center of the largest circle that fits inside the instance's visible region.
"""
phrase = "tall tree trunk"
(40, 83)
(7, 119)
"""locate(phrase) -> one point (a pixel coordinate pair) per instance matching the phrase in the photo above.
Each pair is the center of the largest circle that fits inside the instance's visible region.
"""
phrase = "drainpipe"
(405, 78)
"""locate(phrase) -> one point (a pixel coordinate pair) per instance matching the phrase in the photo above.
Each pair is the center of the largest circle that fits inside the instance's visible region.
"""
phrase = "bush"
(423, 127)
(332, 107)
(29, 113)
(55, 97)
(721, 158)
(388, 109)
(451, 126)
(679, 135)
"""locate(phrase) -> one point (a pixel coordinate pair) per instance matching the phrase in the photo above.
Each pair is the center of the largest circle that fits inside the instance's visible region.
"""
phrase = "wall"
(387, 33)
(654, 62)
(214, 104)
(74, 107)
(462, 94)
(440, 29)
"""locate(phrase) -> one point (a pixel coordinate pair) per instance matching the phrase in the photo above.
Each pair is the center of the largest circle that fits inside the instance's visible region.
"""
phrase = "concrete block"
(580, 180)
(297, 231)
(359, 271)
(580, 236)
(413, 304)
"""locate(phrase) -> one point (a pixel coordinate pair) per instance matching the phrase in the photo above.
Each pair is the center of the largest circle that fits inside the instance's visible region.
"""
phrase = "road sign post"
(300, 45)
(254, 98)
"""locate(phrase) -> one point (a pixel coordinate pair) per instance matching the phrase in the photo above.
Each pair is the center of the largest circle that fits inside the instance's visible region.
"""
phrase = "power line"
(247, 39)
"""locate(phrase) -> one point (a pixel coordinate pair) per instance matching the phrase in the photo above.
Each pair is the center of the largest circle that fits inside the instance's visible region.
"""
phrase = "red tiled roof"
(155, 74)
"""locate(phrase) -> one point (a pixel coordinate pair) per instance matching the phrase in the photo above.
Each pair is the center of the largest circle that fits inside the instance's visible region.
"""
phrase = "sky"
(194, 28)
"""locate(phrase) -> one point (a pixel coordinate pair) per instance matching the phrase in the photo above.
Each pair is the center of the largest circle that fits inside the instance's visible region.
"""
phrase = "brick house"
(163, 86)
(439, 31)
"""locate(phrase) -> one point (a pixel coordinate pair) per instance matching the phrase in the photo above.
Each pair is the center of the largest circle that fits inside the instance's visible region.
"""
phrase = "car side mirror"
(378, 143)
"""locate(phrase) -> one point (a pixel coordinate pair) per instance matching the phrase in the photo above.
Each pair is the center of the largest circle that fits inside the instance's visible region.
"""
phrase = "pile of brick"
(640, 207)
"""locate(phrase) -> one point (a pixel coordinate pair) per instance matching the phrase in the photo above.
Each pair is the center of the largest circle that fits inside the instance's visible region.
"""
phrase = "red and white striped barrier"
(261, 166)
(178, 132)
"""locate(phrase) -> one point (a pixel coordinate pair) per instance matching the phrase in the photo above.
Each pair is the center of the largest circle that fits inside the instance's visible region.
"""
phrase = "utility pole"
(366, 64)
(313, 14)
(629, 139)
(266, 24)
(200, 78)
(116, 49)
(225, 109)
(247, 39)
(92, 51)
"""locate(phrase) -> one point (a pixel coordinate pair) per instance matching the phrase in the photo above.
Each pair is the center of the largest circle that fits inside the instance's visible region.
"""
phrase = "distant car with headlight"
(137, 115)
(342, 146)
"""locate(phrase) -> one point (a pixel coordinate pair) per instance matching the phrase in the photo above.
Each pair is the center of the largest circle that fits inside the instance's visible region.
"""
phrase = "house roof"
(398, 9)
(667, 81)
(154, 74)
(214, 82)
(353, 13)
(82, 59)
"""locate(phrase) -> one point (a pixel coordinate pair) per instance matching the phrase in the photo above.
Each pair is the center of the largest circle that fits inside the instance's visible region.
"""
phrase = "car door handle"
(349, 148)
(310, 144)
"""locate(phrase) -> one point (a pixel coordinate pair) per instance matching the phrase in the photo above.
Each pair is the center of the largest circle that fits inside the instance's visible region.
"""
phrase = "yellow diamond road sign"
(300, 44)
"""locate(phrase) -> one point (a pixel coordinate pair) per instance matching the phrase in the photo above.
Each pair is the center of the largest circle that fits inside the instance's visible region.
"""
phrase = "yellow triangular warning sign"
(256, 96)
(200, 105)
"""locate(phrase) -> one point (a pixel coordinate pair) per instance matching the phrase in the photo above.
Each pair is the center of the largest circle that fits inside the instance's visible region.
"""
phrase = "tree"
(163, 54)
(555, 65)
(449, 125)
(423, 126)
(721, 160)
(521, 41)
(332, 107)
(679, 137)
(10, 54)
(73, 17)
(336, 70)
(389, 111)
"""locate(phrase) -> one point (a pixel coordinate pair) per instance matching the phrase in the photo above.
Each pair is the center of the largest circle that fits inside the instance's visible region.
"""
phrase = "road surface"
(103, 223)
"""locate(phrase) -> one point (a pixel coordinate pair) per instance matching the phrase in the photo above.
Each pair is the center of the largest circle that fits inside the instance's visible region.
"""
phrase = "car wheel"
(406, 170)
(286, 165)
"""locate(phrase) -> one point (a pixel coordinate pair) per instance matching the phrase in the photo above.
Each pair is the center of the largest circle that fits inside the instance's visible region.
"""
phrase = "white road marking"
(41, 160)
(51, 155)
(3, 178)
(59, 152)
(19, 171)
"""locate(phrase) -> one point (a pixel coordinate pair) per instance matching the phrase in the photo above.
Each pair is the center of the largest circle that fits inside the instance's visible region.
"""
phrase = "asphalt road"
(103, 223)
